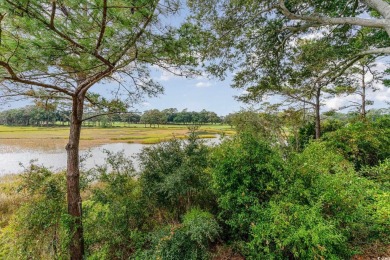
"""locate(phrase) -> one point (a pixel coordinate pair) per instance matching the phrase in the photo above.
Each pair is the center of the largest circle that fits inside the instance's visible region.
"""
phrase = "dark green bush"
(286, 230)
(173, 175)
(362, 143)
(115, 213)
(246, 172)
(326, 210)
(379, 173)
(188, 240)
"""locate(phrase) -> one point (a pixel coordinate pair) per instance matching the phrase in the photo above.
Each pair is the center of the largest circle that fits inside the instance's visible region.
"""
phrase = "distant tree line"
(49, 115)
(173, 116)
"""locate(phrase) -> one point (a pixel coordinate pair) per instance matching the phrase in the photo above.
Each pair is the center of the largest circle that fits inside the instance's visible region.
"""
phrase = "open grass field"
(56, 137)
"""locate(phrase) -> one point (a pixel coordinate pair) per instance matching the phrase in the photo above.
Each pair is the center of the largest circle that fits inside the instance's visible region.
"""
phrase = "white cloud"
(382, 94)
(203, 84)
(145, 104)
(341, 101)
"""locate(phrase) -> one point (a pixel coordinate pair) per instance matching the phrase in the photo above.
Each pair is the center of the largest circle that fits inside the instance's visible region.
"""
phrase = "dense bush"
(173, 175)
(115, 212)
(40, 227)
(246, 172)
(288, 230)
(362, 143)
(326, 211)
(379, 173)
(187, 240)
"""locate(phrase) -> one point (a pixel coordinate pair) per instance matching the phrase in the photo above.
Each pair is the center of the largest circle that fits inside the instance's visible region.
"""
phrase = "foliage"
(40, 227)
(115, 211)
(325, 211)
(187, 199)
(43, 115)
(246, 173)
(288, 230)
(378, 173)
(323, 175)
(188, 240)
(173, 175)
(362, 143)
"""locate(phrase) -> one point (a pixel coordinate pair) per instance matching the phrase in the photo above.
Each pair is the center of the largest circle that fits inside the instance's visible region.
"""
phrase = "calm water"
(11, 157)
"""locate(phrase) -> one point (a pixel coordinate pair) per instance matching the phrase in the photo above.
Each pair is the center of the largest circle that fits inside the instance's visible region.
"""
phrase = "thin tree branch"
(373, 23)
(102, 26)
(53, 13)
(64, 36)
(107, 114)
(380, 6)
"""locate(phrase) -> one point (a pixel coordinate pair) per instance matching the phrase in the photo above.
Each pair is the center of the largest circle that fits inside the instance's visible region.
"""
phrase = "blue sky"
(195, 95)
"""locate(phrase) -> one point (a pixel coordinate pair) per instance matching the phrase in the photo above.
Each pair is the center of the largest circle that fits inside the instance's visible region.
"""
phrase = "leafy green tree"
(153, 117)
(63, 48)
(170, 114)
(257, 34)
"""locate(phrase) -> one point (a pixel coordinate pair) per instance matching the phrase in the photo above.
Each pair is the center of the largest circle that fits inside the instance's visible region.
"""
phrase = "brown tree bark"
(318, 114)
(363, 111)
(73, 180)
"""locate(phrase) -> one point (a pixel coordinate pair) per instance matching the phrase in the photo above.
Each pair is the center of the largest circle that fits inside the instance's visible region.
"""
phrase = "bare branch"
(385, 50)
(53, 13)
(373, 23)
(381, 6)
(107, 114)
(103, 25)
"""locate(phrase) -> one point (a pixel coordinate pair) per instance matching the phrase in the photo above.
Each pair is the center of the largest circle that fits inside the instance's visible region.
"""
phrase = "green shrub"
(286, 230)
(362, 143)
(246, 172)
(379, 173)
(40, 227)
(326, 210)
(173, 176)
(188, 240)
(114, 214)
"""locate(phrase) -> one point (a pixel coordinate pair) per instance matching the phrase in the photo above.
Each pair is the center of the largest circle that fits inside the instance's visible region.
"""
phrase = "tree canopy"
(257, 38)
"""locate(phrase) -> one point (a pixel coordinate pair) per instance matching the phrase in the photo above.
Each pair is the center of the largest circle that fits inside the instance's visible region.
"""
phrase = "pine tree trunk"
(73, 180)
(363, 111)
(318, 115)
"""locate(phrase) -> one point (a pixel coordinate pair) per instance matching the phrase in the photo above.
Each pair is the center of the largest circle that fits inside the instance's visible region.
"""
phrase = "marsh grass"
(10, 198)
(46, 138)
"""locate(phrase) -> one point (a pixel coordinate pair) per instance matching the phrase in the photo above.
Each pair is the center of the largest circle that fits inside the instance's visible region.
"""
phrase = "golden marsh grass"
(54, 138)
